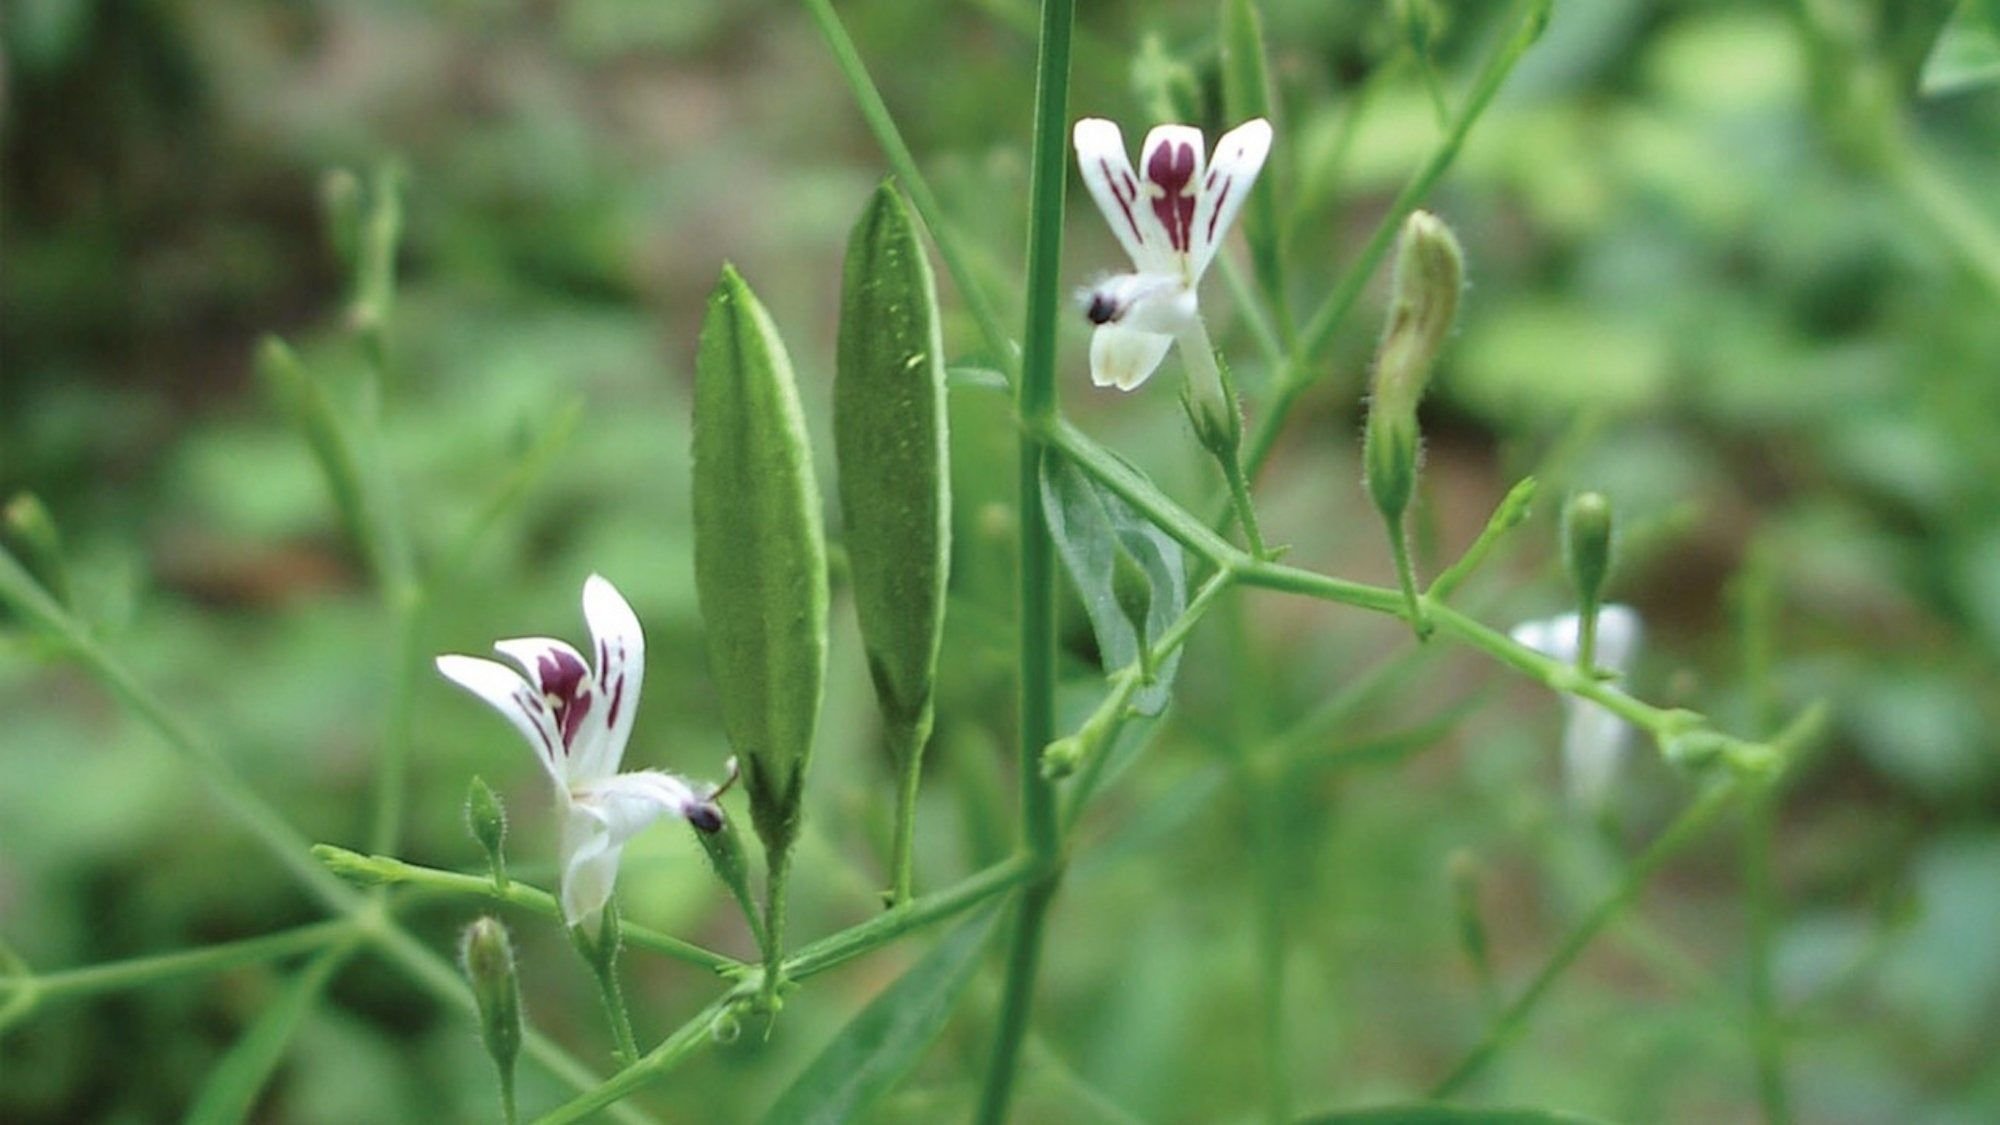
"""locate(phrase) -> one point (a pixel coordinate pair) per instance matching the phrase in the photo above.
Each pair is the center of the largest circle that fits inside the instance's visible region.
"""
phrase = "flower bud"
(486, 819)
(1472, 939)
(340, 197)
(487, 956)
(1429, 272)
(28, 523)
(1587, 556)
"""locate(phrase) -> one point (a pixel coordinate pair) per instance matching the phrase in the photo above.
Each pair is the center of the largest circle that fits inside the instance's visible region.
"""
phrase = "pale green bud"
(487, 956)
(1587, 548)
(29, 523)
(486, 819)
(1429, 273)
(340, 197)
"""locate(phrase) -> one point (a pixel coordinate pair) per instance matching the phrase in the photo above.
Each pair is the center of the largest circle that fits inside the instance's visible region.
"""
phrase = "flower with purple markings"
(1170, 216)
(577, 719)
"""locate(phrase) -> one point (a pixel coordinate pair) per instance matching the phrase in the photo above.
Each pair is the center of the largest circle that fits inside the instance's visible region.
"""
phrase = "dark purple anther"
(1102, 309)
(707, 818)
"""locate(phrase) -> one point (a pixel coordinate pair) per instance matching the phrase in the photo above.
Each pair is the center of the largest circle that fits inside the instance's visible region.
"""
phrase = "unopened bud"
(1060, 758)
(1587, 555)
(1429, 273)
(486, 819)
(340, 197)
(487, 956)
(29, 523)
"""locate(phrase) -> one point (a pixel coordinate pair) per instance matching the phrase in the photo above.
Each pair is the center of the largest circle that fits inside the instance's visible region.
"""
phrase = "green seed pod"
(759, 554)
(487, 957)
(486, 819)
(889, 433)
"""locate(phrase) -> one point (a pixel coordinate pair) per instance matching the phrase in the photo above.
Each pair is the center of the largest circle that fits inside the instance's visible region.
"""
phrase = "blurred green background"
(1732, 263)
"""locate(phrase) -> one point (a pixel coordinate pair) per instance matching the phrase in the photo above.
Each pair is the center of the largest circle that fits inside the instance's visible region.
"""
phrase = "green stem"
(1512, 509)
(1687, 827)
(1406, 577)
(387, 870)
(883, 124)
(774, 925)
(34, 990)
(907, 747)
(1767, 1034)
(1035, 401)
(837, 949)
(1239, 494)
(624, 1046)
(685, 1040)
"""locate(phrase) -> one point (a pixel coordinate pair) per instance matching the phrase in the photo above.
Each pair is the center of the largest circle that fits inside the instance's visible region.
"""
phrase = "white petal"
(563, 679)
(1239, 156)
(1618, 633)
(601, 816)
(1593, 749)
(621, 669)
(589, 867)
(518, 700)
(1125, 357)
(1107, 172)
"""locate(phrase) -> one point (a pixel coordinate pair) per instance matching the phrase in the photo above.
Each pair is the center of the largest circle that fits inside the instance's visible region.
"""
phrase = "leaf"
(880, 1045)
(230, 1093)
(1131, 575)
(759, 552)
(889, 433)
(1967, 52)
(1446, 1115)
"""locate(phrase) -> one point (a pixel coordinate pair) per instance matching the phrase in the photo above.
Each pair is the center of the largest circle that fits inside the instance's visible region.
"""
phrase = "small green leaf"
(889, 432)
(1131, 575)
(880, 1045)
(759, 553)
(230, 1093)
(1447, 1115)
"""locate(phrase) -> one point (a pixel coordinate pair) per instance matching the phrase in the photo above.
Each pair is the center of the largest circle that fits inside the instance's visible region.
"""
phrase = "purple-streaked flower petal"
(564, 680)
(516, 699)
(1121, 196)
(1171, 165)
(621, 668)
(1226, 183)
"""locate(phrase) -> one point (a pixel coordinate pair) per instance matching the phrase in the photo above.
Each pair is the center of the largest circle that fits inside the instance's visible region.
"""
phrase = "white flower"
(1170, 218)
(577, 720)
(1594, 739)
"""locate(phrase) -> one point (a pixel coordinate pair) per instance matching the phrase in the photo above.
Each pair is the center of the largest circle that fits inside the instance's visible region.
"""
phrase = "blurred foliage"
(1702, 282)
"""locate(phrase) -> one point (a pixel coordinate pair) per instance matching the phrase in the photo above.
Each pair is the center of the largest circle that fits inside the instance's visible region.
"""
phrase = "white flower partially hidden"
(577, 719)
(1594, 739)
(1170, 217)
